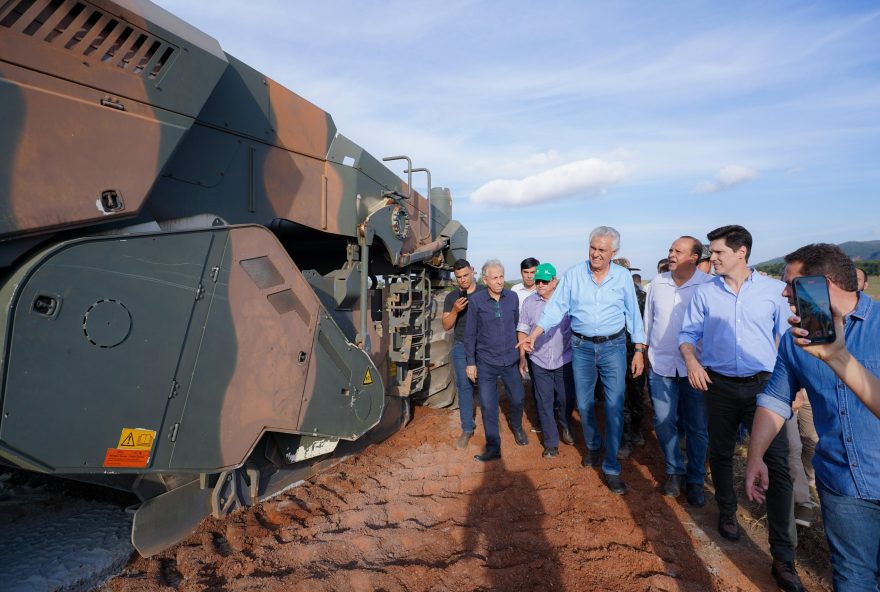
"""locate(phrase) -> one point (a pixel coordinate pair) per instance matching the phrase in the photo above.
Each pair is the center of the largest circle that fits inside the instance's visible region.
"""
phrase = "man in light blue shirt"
(847, 459)
(738, 317)
(600, 298)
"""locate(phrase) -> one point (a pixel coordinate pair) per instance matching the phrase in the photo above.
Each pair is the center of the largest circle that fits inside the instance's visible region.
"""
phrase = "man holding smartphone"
(454, 307)
(738, 316)
(847, 458)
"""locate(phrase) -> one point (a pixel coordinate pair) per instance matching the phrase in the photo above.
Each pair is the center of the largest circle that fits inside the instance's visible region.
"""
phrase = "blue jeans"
(487, 376)
(852, 527)
(674, 399)
(607, 360)
(465, 388)
(553, 387)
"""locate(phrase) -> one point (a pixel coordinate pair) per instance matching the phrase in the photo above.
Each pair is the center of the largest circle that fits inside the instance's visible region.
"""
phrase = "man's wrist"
(640, 349)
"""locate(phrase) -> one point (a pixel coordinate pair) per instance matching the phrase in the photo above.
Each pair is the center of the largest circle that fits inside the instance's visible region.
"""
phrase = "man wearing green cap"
(552, 377)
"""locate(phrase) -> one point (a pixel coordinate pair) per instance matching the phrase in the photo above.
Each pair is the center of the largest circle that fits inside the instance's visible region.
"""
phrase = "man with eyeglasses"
(600, 298)
(847, 460)
(552, 378)
(490, 348)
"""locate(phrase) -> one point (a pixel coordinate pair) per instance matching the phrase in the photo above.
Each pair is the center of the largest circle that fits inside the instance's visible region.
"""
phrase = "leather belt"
(741, 379)
(600, 338)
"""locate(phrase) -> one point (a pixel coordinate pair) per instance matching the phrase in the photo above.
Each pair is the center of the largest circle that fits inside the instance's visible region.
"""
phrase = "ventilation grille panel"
(91, 33)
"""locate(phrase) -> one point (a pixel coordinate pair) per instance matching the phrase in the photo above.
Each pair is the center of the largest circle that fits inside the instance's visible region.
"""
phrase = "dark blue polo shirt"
(490, 331)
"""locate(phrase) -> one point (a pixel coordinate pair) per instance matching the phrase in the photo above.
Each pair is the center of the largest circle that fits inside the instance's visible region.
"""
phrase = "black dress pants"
(728, 403)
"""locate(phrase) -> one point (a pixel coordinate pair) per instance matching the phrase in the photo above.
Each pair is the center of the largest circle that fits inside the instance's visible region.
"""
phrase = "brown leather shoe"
(786, 576)
(728, 527)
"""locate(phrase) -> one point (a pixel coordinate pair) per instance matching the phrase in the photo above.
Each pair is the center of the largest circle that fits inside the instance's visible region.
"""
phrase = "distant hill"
(856, 250)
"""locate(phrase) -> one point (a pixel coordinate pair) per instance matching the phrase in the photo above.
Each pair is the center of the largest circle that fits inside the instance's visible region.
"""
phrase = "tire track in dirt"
(414, 514)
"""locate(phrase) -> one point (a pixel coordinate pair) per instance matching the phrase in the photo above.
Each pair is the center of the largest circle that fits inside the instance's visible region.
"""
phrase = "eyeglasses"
(542, 282)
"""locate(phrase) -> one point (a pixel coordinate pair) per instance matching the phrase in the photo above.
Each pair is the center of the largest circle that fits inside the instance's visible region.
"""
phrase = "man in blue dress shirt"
(847, 459)
(490, 349)
(739, 317)
(600, 298)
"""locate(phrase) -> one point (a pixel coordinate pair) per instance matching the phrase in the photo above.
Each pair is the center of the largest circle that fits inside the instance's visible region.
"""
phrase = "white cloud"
(587, 178)
(542, 159)
(727, 178)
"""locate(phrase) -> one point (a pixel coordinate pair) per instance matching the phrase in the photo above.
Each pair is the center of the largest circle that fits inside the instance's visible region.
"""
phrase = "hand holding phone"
(813, 303)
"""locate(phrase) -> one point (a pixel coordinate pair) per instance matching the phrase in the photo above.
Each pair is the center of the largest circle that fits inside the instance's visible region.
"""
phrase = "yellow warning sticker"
(136, 439)
(368, 377)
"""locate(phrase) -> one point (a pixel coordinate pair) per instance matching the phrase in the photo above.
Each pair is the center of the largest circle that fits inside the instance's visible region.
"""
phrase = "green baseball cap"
(545, 272)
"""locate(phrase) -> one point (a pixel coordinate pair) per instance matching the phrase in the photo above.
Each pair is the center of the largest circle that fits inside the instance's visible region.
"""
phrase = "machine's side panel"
(96, 338)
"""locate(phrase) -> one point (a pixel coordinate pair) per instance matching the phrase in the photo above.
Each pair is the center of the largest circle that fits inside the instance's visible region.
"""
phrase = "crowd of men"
(721, 353)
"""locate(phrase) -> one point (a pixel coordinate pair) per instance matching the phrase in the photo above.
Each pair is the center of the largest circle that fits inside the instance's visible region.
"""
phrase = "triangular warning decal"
(368, 377)
(128, 441)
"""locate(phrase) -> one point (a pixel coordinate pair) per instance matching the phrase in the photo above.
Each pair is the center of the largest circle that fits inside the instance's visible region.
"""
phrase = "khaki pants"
(802, 440)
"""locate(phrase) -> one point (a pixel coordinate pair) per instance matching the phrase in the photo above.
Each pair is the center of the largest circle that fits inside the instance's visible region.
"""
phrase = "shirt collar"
(613, 269)
(666, 278)
(863, 307)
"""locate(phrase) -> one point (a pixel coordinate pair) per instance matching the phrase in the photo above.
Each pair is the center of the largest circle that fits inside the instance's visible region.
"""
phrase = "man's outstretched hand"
(526, 344)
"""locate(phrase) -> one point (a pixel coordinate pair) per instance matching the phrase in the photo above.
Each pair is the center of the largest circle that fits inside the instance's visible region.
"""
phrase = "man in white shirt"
(669, 295)
(526, 287)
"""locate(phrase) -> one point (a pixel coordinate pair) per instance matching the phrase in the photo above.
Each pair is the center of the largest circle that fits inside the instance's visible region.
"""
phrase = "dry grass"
(812, 551)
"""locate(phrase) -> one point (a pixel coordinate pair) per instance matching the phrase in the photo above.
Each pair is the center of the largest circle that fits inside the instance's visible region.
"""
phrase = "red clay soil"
(414, 514)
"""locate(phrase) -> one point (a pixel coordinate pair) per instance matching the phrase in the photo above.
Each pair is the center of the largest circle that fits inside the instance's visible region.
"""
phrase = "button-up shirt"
(522, 293)
(596, 309)
(739, 331)
(847, 459)
(665, 306)
(490, 330)
(553, 348)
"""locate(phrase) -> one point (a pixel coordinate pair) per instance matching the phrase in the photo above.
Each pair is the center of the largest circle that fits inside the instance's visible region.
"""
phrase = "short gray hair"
(491, 263)
(607, 231)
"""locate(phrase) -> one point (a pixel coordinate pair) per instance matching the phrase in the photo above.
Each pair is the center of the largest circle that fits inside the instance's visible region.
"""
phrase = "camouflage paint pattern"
(184, 245)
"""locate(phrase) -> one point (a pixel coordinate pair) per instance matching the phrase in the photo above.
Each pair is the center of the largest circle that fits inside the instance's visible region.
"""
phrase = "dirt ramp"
(415, 514)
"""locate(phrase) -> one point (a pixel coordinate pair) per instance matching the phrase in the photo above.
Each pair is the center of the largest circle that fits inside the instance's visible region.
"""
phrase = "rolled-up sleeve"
(525, 317)
(692, 327)
(783, 385)
(632, 313)
(649, 311)
(559, 305)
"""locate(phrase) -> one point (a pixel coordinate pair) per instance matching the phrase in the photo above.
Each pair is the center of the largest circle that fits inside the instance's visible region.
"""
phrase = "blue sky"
(548, 119)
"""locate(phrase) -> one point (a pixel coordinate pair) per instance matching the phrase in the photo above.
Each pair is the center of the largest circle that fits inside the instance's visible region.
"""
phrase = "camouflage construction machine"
(206, 292)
